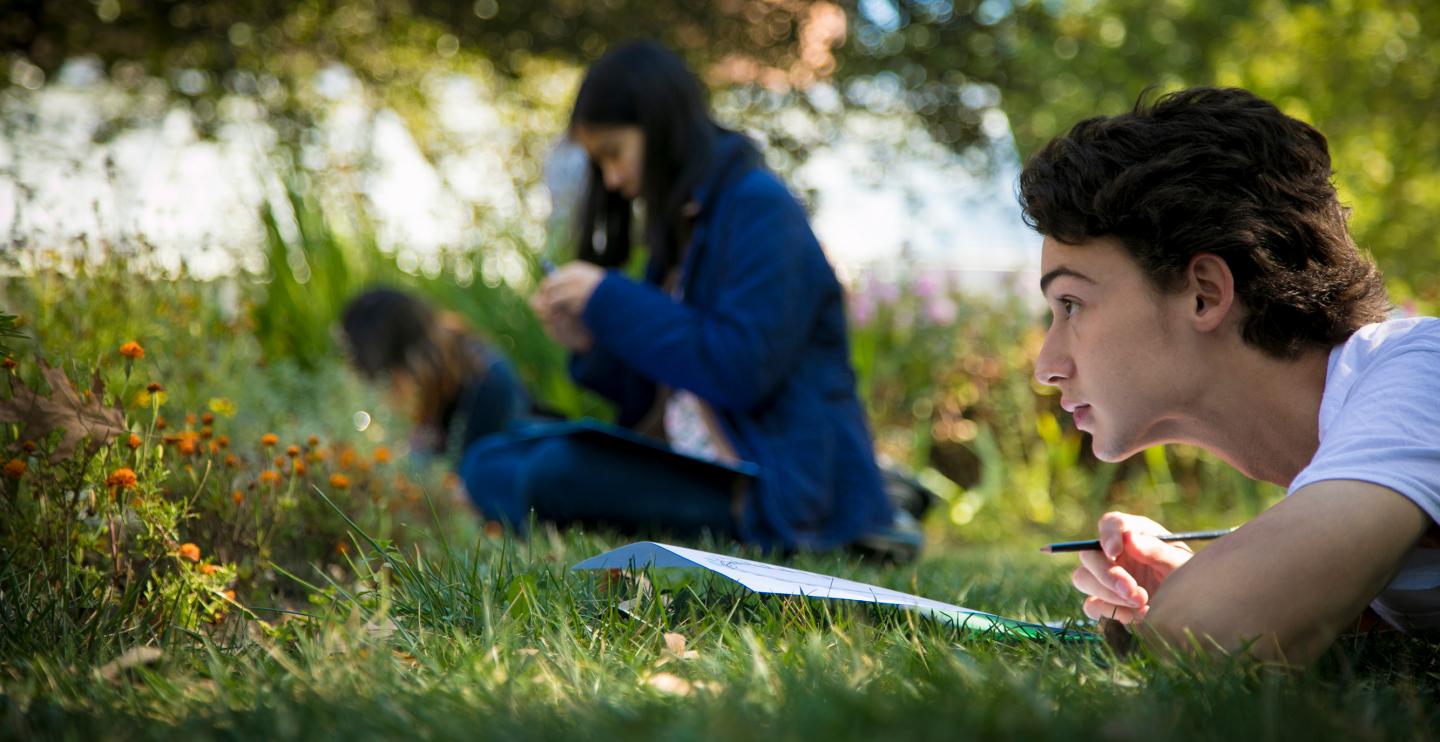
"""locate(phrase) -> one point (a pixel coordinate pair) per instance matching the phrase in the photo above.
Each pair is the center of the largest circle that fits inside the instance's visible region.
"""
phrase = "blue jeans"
(510, 467)
(574, 480)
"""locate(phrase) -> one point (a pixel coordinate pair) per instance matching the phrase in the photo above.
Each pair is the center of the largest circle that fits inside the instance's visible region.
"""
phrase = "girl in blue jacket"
(732, 349)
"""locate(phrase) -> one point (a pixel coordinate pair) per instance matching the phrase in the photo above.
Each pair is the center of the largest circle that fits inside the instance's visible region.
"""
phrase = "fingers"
(1097, 609)
(1163, 556)
(1114, 525)
(1086, 582)
(1113, 578)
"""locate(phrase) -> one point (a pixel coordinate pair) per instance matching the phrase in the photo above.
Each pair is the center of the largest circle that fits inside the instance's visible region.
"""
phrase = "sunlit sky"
(197, 198)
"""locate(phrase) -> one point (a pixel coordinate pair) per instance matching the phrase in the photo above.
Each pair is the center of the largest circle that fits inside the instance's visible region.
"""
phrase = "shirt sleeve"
(1387, 430)
(734, 354)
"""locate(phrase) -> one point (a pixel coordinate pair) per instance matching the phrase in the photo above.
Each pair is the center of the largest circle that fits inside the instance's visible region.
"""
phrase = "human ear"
(1213, 287)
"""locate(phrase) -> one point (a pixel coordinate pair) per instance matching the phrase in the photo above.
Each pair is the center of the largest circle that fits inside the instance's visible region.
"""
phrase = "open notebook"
(776, 580)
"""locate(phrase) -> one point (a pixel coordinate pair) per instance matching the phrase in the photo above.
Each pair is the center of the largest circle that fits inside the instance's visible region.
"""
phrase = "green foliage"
(9, 330)
(161, 531)
(538, 651)
(376, 605)
(312, 274)
(1364, 73)
(310, 277)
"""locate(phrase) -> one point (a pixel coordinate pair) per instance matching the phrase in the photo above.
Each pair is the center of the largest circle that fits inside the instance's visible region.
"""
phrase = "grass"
(492, 638)
(395, 614)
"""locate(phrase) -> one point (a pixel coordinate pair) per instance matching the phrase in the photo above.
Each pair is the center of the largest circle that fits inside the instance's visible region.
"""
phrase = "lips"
(1079, 411)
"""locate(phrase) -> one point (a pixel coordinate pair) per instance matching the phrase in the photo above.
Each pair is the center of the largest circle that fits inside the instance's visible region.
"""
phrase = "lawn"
(276, 565)
(499, 639)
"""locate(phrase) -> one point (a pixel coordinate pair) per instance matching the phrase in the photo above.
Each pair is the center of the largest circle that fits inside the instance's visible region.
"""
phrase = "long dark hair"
(641, 83)
(389, 331)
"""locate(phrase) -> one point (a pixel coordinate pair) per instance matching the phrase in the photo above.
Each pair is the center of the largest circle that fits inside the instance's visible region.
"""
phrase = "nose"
(614, 179)
(1054, 364)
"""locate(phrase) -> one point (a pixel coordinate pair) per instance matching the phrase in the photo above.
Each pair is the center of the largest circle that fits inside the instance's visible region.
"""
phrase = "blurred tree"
(1363, 71)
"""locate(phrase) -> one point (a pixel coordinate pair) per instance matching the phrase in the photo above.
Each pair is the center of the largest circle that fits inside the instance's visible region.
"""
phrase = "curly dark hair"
(1222, 171)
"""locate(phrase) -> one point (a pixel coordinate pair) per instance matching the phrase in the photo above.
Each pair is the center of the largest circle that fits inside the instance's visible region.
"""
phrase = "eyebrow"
(1062, 271)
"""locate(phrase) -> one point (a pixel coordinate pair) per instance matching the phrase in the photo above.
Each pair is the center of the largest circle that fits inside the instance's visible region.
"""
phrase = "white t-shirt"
(1380, 423)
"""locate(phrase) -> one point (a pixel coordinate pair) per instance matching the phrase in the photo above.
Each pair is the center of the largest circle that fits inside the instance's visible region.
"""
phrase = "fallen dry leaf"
(675, 644)
(669, 684)
(133, 657)
(66, 410)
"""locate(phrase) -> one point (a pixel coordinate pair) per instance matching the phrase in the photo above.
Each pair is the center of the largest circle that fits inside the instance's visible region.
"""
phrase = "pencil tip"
(1044, 550)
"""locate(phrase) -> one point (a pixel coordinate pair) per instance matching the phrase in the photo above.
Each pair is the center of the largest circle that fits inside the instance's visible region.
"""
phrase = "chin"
(1109, 452)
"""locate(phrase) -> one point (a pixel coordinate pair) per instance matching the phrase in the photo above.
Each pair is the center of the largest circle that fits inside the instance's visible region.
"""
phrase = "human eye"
(1065, 307)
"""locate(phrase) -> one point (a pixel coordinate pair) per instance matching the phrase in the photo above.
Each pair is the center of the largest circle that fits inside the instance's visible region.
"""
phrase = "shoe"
(899, 543)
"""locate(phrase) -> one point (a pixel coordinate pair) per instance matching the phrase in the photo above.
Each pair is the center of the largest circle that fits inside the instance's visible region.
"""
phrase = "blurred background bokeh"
(217, 178)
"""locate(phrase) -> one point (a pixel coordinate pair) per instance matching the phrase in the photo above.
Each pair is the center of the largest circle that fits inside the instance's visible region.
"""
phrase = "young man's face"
(1115, 347)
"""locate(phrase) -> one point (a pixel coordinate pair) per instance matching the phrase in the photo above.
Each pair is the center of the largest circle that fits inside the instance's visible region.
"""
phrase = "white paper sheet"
(776, 580)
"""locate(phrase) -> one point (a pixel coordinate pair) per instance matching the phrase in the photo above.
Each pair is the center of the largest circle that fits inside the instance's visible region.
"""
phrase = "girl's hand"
(568, 289)
(563, 327)
(1132, 563)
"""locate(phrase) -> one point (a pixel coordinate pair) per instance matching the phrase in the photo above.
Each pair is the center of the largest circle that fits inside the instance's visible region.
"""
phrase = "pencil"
(1065, 546)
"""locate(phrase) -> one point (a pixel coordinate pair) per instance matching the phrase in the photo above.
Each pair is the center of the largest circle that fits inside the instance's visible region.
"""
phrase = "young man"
(1206, 290)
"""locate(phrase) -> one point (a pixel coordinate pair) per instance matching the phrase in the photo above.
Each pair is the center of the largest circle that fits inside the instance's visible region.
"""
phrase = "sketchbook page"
(777, 580)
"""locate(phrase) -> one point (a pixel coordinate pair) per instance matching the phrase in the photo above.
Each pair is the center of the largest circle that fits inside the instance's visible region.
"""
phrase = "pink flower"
(862, 309)
(927, 285)
(941, 310)
(881, 292)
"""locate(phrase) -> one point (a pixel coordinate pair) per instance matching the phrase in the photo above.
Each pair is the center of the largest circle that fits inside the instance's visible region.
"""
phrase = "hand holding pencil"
(1134, 557)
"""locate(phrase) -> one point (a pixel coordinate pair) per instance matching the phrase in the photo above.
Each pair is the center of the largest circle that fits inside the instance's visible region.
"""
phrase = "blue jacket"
(761, 337)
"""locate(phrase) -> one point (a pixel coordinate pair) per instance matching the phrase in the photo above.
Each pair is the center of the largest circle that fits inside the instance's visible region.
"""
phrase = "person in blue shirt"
(732, 349)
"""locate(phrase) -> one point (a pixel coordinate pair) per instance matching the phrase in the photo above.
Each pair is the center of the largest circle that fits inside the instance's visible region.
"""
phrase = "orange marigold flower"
(342, 548)
(279, 462)
(29, 446)
(230, 594)
(122, 478)
(186, 446)
(132, 350)
(232, 461)
(313, 441)
(190, 551)
(159, 423)
(15, 468)
(300, 467)
(269, 439)
(207, 419)
(223, 441)
(292, 451)
(190, 419)
(269, 476)
(8, 363)
(154, 386)
(214, 448)
(208, 569)
(339, 481)
(382, 455)
(134, 441)
(237, 496)
(207, 432)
